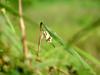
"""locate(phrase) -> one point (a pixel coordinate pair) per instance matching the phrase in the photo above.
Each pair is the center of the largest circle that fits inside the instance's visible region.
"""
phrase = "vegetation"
(49, 37)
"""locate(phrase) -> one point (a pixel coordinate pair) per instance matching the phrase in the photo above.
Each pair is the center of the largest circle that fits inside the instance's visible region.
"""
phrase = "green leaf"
(87, 56)
(81, 66)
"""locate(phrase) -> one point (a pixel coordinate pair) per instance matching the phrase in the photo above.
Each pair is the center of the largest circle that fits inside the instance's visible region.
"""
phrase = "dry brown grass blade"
(22, 27)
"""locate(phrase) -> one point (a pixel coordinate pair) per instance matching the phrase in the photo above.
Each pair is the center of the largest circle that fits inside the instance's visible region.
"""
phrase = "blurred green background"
(65, 17)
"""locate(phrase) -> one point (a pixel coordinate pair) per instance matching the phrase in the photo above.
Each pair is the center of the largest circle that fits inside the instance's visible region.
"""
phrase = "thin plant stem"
(22, 27)
(39, 43)
(8, 20)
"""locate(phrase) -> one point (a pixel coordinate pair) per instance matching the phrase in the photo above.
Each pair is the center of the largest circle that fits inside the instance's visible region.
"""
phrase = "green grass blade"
(87, 70)
(87, 56)
(84, 31)
(7, 20)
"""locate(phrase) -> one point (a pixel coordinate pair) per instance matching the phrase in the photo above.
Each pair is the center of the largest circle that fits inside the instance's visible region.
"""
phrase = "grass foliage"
(63, 59)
